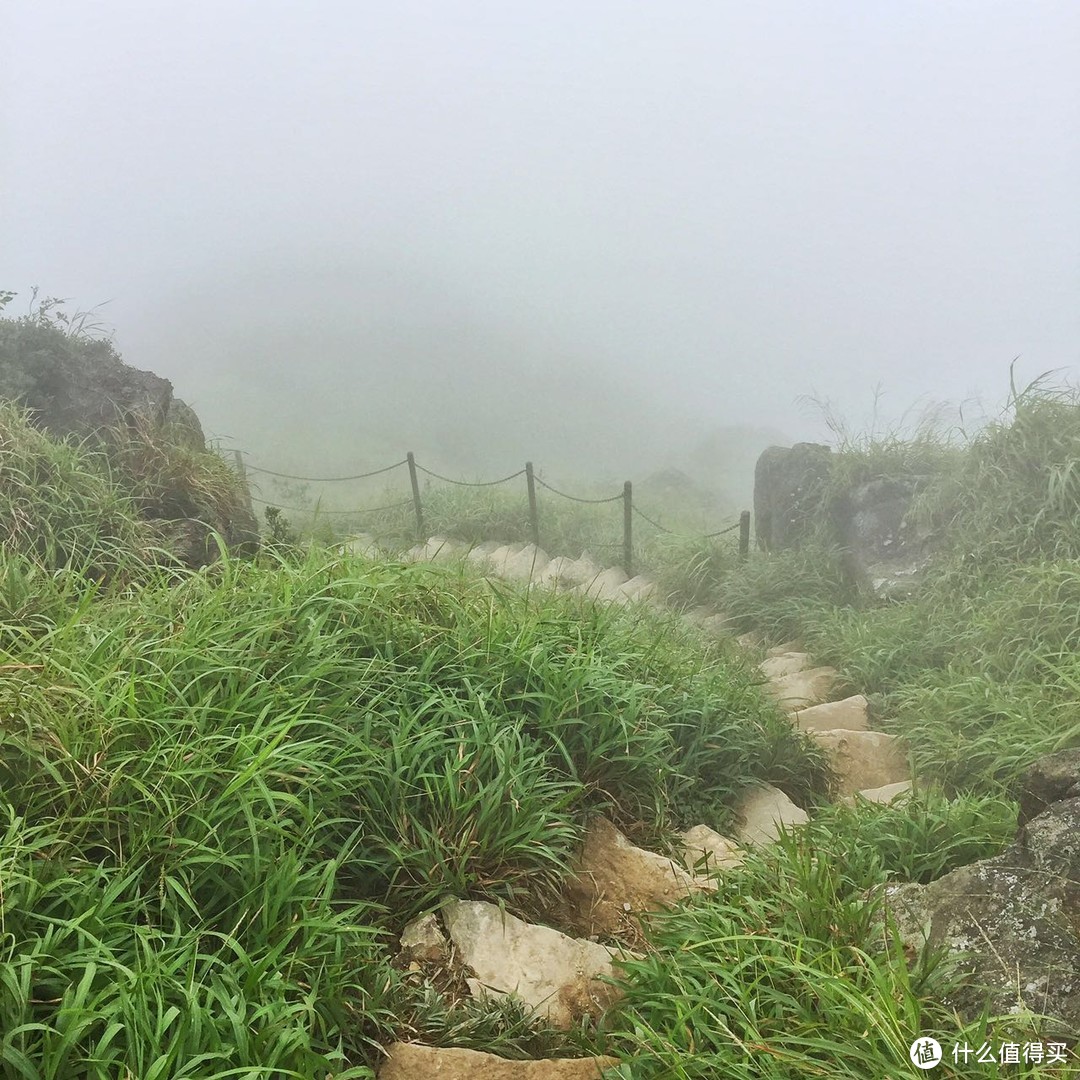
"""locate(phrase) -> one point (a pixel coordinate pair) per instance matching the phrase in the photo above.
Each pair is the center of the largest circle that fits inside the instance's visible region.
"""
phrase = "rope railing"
(327, 479)
(471, 483)
(630, 508)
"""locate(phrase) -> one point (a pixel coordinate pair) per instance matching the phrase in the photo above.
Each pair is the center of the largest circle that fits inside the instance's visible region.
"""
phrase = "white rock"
(708, 851)
(786, 647)
(801, 689)
(527, 565)
(555, 975)
(762, 812)
(881, 795)
(423, 938)
(849, 714)
(605, 586)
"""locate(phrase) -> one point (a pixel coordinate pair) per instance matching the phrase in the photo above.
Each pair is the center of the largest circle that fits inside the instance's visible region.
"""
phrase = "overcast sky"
(501, 229)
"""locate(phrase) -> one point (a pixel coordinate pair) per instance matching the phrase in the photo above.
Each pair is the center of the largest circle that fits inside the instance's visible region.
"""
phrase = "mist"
(609, 238)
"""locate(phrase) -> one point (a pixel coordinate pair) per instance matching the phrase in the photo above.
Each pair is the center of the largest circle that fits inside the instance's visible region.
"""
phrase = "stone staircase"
(559, 976)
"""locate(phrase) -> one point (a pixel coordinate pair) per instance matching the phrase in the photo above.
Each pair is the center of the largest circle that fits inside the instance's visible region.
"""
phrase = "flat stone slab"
(775, 667)
(801, 689)
(881, 795)
(865, 759)
(411, 1061)
(762, 812)
(706, 851)
(848, 714)
(555, 975)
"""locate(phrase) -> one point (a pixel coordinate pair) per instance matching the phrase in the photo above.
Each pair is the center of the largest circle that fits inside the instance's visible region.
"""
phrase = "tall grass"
(222, 793)
(787, 972)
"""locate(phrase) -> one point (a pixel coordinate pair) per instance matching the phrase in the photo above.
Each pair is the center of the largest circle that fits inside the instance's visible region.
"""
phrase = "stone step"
(776, 667)
(865, 759)
(801, 689)
(411, 1061)
(849, 714)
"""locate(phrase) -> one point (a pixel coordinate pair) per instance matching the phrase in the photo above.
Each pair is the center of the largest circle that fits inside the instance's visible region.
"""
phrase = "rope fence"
(630, 509)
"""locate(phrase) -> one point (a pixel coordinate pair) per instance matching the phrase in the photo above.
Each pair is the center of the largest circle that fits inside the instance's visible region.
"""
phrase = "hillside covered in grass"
(223, 793)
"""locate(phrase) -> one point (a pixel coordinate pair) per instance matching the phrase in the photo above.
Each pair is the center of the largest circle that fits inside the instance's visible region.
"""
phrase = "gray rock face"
(1051, 779)
(788, 485)
(885, 550)
(1011, 924)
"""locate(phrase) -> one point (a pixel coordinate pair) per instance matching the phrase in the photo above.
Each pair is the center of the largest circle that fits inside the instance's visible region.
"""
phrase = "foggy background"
(611, 237)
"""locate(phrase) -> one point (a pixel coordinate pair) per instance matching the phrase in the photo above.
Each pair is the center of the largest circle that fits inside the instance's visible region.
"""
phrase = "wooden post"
(534, 519)
(238, 454)
(744, 534)
(628, 524)
(416, 497)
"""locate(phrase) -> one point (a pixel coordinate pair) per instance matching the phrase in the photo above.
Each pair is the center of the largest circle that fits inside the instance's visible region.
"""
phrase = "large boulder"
(1010, 925)
(788, 490)
(885, 549)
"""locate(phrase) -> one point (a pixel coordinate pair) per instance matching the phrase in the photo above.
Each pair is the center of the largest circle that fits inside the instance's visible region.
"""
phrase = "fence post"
(744, 534)
(534, 519)
(416, 497)
(238, 454)
(628, 522)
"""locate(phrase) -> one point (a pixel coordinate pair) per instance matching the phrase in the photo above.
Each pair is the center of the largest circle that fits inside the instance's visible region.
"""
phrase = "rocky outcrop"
(410, 1061)
(886, 551)
(1010, 924)
(788, 488)
(78, 387)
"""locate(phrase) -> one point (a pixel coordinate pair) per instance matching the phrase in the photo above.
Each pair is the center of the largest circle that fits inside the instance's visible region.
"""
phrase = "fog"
(609, 237)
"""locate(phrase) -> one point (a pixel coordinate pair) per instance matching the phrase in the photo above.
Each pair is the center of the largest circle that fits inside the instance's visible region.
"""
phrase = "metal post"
(744, 534)
(628, 521)
(534, 519)
(416, 497)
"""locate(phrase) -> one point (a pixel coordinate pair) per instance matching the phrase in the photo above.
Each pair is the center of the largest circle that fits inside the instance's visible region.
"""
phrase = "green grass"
(223, 793)
(787, 971)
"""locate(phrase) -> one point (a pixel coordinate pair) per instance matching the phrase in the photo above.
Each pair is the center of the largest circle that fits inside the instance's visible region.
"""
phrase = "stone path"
(614, 881)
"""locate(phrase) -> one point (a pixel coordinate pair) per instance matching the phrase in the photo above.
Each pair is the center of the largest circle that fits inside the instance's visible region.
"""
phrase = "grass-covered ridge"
(221, 794)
